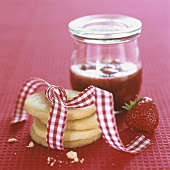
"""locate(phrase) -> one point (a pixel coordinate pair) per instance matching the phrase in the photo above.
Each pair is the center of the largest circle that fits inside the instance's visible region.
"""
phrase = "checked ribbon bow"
(104, 108)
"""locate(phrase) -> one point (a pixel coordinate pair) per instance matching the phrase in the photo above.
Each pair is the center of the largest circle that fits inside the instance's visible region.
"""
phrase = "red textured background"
(35, 41)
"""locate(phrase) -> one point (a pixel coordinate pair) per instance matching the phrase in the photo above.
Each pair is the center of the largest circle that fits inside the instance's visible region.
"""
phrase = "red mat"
(35, 41)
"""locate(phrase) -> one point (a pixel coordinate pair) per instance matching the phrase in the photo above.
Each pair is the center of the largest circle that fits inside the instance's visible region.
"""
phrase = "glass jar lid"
(105, 27)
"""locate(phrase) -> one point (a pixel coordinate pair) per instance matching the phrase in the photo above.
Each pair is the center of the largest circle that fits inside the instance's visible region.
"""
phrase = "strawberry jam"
(123, 80)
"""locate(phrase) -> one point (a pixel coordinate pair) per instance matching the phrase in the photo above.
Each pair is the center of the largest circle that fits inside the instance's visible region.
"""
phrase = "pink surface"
(35, 41)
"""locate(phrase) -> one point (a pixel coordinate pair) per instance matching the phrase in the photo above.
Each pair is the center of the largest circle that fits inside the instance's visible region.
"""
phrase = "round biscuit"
(69, 135)
(89, 122)
(38, 106)
(72, 144)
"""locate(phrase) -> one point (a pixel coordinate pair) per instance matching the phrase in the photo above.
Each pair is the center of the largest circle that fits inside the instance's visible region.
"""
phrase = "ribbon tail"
(138, 145)
(28, 88)
(107, 122)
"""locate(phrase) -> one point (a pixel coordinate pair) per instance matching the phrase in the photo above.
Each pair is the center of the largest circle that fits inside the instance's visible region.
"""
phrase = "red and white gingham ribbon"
(59, 109)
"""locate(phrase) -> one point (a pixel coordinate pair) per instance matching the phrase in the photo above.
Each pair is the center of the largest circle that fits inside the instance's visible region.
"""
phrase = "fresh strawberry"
(142, 115)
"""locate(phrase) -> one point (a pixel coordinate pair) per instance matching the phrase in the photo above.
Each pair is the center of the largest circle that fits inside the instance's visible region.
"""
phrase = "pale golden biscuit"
(38, 106)
(68, 144)
(69, 135)
(89, 122)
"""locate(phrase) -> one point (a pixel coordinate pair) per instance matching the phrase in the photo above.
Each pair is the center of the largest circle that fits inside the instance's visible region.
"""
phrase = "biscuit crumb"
(48, 160)
(71, 155)
(82, 160)
(76, 159)
(51, 161)
(31, 145)
(12, 140)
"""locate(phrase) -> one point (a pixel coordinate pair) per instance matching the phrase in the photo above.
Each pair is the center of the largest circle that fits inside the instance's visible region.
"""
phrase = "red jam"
(123, 80)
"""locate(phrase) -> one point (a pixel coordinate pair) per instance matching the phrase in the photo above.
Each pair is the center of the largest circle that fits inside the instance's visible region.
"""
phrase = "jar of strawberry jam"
(106, 55)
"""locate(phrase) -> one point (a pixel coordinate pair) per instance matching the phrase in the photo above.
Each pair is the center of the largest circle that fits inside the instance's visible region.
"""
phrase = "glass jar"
(106, 55)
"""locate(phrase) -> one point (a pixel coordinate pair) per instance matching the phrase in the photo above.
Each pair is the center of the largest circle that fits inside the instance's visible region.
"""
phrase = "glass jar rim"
(105, 27)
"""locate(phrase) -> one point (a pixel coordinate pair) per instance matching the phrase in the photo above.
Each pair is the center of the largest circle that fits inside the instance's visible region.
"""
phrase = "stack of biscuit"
(81, 126)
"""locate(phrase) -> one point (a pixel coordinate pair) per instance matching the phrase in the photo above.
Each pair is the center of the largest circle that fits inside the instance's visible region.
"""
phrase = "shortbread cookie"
(69, 135)
(38, 106)
(86, 123)
(89, 122)
(68, 144)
